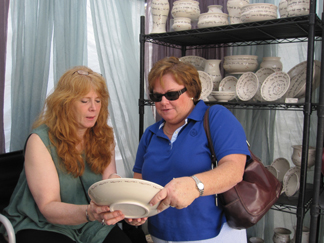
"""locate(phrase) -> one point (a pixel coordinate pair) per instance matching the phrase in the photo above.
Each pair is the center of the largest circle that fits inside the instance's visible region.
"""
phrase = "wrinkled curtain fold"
(116, 29)
(32, 23)
(69, 36)
(4, 8)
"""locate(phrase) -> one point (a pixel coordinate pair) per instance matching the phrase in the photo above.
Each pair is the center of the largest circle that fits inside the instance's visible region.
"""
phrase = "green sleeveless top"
(24, 213)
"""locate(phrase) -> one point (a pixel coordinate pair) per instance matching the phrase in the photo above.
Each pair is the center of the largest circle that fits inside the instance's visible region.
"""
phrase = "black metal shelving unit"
(308, 28)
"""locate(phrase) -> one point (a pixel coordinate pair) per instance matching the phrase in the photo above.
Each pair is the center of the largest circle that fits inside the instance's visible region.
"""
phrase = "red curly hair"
(58, 116)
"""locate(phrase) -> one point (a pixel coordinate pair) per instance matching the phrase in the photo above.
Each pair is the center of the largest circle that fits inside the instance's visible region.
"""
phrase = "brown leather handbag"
(247, 202)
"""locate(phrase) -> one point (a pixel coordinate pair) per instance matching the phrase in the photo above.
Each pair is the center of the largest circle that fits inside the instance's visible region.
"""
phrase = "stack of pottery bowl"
(258, 12)
(238, 64)
(186, 8)
(297, 7)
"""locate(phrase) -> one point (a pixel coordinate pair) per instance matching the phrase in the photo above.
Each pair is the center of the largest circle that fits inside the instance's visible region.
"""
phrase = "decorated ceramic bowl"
(223, 96)
(238, 64)
(258, 12)
(212, 19)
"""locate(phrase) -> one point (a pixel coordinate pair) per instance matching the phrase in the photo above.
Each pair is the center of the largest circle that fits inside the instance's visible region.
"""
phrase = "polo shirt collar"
(197, 114)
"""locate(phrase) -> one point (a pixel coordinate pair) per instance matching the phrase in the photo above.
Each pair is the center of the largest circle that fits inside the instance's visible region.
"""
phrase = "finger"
(163, 206)
(162, 194)
(113, 217)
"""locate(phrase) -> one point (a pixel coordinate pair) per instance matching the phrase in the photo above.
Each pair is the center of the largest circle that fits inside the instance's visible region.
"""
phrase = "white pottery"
(215, 9)
(281, 235)
(197, 61)
(228, 84)
(234, 10)
(212, 19)
(247, 86)
(282, 166)
(223, 96)
(297, 7)
(237, 64)
(206, 84)
(262, 74)
(272, 170)
(181, 23)
(297, 76)
(275, 86)
(131, 196)
(271, 62)
(297, 155)
(291, 181)
(256, 240)
(283, 8)
(258, 12)
(305, 235)
(186, 8)
(160, 12)
(212, 68)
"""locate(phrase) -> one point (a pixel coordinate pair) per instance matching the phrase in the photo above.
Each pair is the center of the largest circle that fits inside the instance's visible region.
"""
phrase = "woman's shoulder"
(42, 129)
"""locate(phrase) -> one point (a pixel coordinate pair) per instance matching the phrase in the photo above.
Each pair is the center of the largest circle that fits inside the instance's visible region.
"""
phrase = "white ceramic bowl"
(131, 196)
(228, 84)
(181, 23)
(297, 76)
(212, 19)
(275, 86)
(297, 155)
(223, 96)
(262, 74)
(247, 86)
(206, 84)
(272, 170)
(258, 12)
(238, 64)
(291, 181)
(197, 61)
(297, 8)
(282, 166)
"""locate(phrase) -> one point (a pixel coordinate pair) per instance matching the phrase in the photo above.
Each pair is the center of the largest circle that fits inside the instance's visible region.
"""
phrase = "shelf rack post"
(141, 94)
(315, 210)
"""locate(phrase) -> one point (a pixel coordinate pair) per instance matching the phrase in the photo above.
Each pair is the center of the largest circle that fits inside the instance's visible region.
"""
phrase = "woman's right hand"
(104, 215)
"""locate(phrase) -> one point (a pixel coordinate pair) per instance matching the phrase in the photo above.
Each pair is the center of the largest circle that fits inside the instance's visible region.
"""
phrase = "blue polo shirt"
(159, 161)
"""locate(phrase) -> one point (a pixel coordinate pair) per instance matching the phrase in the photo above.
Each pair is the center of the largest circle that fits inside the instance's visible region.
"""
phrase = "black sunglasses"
(172, 95)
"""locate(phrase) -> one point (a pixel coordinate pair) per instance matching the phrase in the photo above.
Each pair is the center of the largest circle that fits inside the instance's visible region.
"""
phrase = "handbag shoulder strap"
(210, 141)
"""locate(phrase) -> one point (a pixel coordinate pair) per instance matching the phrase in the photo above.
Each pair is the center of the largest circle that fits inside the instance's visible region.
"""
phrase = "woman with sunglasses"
(174, 153)
(70, 148)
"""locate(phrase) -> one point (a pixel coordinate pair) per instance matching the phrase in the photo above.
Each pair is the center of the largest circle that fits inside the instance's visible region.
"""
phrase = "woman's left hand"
(178, 193)
(104, 215)
(136, 222)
